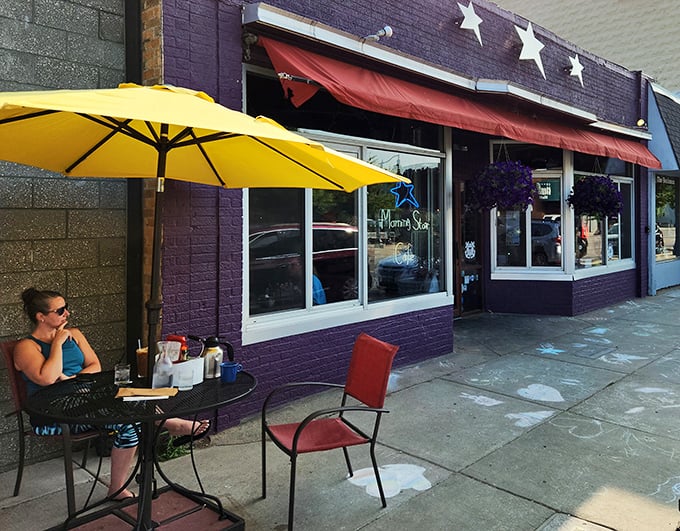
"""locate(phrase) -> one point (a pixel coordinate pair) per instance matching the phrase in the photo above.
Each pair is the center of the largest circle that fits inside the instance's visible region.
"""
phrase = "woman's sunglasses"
(59, 311)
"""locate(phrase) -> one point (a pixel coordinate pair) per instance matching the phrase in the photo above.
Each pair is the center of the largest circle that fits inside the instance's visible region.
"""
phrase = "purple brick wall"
(203, 227)
(202, 260)
(427, 29)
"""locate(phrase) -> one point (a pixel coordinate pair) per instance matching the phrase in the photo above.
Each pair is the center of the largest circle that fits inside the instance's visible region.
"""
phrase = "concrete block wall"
(58, 233)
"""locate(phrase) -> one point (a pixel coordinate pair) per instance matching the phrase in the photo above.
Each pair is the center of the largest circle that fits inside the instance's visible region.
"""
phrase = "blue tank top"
(73, 360)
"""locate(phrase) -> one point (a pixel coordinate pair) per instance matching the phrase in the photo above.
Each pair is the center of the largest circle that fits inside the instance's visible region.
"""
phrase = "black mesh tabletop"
(90, 399)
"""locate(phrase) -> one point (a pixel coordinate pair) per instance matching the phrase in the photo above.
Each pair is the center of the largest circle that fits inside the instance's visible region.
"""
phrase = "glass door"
(468, 259)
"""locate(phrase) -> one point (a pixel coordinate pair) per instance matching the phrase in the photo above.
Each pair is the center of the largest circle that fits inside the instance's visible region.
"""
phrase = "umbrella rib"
(99, 144)
(199, 145)
(330, 181)
(26, 116)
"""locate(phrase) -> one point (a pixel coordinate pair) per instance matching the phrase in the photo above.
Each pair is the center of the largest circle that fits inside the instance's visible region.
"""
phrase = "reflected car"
(275, 256)
(404, 274)
(546, 243)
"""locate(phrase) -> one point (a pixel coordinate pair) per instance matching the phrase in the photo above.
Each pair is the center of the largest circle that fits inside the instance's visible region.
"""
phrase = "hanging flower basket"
(505, 185)
(597, 196)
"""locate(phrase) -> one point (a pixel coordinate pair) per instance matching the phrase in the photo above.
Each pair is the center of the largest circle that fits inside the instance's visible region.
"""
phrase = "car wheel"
(350, 289)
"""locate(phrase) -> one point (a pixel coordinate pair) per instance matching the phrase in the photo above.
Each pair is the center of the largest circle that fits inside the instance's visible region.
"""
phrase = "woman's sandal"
(186, 439)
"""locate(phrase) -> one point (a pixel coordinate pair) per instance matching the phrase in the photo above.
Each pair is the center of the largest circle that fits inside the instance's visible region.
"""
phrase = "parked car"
(275, 264)
(405, 273)
(546, 243)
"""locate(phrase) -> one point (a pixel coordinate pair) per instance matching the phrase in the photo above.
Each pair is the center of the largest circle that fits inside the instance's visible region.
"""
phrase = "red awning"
(376, 92)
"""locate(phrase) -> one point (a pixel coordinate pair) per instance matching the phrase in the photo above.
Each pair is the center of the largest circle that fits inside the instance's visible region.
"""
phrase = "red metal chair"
(327, 429)
(18, 389)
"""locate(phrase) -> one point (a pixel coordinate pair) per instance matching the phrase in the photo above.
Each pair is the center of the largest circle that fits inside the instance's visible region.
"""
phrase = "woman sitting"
(53, 353)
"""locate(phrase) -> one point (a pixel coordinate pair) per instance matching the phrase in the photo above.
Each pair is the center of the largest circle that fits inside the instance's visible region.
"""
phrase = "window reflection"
(665, 231)
(276, 250)
(404, 242)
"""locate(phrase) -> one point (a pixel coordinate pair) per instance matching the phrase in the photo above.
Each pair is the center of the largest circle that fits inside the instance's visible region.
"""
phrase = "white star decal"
(471, 20)
(531, 46)
(576, 68)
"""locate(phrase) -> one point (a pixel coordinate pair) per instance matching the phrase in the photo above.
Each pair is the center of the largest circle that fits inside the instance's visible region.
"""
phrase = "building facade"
(435, 91)
(437, 100)
(600, 27)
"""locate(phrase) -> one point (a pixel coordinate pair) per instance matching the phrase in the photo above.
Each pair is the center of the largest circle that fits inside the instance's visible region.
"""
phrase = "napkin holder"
(196, 366)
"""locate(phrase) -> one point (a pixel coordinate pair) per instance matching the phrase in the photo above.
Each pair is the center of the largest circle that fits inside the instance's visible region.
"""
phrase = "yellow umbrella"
(172, 132)
(167, 132)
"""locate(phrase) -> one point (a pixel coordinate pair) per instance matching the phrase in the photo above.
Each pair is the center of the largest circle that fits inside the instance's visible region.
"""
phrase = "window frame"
(568, 272)
(267, 326)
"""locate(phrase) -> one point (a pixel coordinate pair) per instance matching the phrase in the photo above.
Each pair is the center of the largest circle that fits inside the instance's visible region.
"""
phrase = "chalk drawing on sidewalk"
(653, 390)
(598, 340)
(570, 381)
(669, 490)
(547, 348)
(621, 359)
(395, 478)
(541, 392)
(581, 428)
(529, 418)
(481, 400)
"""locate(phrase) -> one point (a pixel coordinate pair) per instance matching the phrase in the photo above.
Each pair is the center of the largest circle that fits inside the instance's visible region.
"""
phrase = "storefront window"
(607, 241)
(544, 218)
(665, 231)
(276, 250)
(404, 227)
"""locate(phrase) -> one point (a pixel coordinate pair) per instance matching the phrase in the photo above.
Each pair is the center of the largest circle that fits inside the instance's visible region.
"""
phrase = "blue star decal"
(404, 194)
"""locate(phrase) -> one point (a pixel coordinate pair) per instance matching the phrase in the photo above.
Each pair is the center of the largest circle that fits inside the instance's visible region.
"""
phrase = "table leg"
(144, 521)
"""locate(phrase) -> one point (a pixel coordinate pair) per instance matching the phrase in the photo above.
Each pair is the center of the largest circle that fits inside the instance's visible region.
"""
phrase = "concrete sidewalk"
(532, 423)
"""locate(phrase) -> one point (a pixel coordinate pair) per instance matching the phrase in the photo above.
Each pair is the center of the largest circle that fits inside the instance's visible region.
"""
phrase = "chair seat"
(318, 435)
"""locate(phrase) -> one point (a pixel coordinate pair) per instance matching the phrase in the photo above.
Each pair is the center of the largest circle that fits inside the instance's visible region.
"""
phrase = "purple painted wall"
(202, 267)
(202, 264)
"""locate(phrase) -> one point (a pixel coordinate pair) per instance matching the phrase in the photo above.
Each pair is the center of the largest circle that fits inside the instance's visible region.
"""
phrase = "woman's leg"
(122, 455)
(121, 460)
(177, 426)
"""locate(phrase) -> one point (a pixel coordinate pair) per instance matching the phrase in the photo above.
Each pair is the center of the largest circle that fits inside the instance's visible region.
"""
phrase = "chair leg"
(291, 494)
(22, 454)
(377, 477)
(349, 465)
(68, 470)
(264, 464)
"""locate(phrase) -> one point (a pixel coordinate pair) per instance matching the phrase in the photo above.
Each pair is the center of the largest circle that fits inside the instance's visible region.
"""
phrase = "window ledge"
(274, 326)
(562, 276)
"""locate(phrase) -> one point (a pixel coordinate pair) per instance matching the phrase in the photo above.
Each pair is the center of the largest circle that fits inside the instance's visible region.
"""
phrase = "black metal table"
(90, 399)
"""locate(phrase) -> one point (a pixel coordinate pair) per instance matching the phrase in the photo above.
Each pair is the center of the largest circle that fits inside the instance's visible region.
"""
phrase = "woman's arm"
(91, 363)
(29, 359)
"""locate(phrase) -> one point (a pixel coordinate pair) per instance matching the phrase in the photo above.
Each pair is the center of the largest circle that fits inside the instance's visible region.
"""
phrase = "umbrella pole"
(154, 304)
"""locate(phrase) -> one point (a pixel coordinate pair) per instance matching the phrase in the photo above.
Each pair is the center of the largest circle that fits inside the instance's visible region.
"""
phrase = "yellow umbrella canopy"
(171, 132)
(167, 132)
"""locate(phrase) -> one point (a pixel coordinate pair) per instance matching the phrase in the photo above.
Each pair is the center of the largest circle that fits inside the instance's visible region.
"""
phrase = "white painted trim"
(665, 92)
(637, 133)
(264, 14)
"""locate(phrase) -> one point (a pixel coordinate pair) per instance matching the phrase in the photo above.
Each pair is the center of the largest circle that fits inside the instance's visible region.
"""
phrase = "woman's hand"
(62, 335)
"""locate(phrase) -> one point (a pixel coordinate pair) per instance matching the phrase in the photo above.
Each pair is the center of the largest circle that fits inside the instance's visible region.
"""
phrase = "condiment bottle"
(213, 355)
(162, 372)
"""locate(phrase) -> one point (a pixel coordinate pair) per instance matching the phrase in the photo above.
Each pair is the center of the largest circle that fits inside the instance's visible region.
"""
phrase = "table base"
(170, 510)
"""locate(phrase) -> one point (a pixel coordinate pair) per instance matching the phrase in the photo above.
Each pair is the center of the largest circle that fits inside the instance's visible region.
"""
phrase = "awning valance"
(372, 91)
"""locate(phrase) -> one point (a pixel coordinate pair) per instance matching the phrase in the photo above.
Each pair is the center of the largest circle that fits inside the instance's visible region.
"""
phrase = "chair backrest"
(369, 370)
(16, 382)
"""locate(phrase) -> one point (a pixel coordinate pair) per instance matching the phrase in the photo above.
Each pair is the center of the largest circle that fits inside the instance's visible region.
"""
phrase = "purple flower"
(597, 196)
(505, 185)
